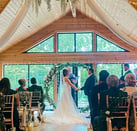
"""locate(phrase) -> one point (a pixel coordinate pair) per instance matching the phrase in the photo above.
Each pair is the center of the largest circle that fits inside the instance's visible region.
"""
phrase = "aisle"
(51, 127)
(63, 127)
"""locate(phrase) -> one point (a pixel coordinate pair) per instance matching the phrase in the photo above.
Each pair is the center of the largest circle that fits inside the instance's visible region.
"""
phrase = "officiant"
(73, 80)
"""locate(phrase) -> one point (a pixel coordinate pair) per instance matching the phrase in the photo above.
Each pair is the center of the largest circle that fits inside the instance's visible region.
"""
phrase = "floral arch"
(53, 72)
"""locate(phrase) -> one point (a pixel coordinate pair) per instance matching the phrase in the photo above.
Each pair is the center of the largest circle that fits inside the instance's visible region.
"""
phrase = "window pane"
(44, 46)
(107, 46)
(14, 73)
(114, 69)
(83, 42)
(40, 72)
(132, 66)
(65, 42)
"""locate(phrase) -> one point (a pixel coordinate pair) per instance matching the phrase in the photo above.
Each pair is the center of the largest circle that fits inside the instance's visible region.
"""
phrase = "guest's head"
(33, 80)
(22, 82)
(90, 71)
(103, 75)
(65, 72)
(5, 85)
(69, 70)
(112, 81)
(126, 66)
(130, 80)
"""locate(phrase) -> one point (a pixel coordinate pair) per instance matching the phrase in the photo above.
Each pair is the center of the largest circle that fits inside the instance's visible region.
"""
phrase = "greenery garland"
(53, 72)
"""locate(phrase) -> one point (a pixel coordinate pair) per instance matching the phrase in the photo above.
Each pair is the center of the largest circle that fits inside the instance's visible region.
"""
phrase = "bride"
(66, 111)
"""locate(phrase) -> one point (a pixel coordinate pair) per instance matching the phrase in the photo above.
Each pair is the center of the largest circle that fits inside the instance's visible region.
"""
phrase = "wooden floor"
(51, 127)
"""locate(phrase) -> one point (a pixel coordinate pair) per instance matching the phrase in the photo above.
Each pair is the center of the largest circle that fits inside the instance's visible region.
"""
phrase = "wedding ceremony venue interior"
(41, 38)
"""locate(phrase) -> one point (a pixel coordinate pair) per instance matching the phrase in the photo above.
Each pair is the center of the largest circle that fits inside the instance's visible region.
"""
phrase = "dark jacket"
(36, 88)
(98, 89)
(89, 84)
(110, 92)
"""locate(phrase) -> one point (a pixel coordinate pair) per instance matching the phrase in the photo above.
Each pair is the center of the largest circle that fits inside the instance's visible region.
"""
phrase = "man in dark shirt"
(35, 87)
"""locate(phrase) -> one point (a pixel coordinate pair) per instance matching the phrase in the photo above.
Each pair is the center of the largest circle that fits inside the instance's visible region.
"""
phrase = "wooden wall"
(82, 23)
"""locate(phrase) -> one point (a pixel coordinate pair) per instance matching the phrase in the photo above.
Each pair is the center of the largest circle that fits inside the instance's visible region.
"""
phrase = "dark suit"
(88, 90)
(37, 88)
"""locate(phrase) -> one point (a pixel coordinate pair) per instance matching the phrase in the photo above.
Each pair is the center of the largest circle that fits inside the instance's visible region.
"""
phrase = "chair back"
(134, 101)
(25, 98)
(36, 103)
(119, 108)
(8, 109)
(36, 99)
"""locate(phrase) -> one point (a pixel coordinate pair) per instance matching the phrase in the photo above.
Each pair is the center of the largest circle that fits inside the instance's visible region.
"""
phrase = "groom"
(88, 89)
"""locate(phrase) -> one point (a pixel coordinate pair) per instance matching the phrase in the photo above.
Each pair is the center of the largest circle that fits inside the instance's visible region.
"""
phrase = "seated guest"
(22, 83)
(101, 86)
(130, 83)
(100, 121)
(35, 87)
(121, 82)
(6, 90)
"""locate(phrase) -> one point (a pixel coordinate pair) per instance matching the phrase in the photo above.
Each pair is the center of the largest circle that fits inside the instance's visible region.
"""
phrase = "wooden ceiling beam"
(112, 57)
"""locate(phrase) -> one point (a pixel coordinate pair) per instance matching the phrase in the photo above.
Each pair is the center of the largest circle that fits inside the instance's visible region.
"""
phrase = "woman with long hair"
(5, 88)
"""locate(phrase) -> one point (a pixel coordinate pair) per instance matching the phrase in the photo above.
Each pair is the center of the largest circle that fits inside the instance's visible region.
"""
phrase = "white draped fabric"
(119, 16)
(18, 21)
(13, 26)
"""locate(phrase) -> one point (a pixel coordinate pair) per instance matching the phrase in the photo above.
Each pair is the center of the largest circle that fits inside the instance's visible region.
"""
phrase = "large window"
(115, 69)
(104, 45)
(74, 42)
(46, 46)
(14, 73)
(41, 71)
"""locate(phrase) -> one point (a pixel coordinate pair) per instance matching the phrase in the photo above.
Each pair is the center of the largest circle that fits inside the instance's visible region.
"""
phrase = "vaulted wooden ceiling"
(82, 23)
(19, 20)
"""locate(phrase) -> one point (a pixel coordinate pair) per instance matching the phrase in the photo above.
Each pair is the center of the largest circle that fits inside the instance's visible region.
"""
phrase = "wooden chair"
(25, 99)
(36, 102)
(8, 109)
(119, 109)
(134, 100)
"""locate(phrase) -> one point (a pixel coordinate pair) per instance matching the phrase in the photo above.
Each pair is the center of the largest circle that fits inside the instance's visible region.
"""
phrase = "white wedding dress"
(66, 111)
